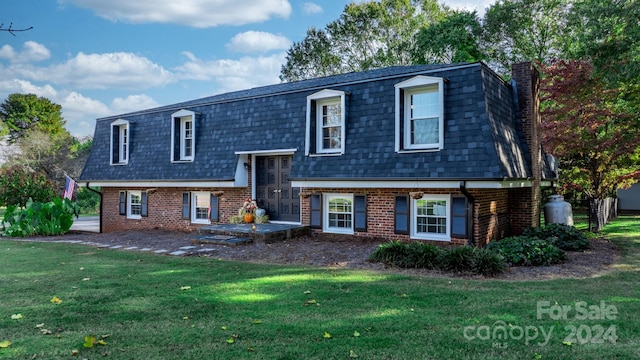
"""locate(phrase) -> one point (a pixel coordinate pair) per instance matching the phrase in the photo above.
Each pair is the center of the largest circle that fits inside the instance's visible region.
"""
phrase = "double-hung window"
(183, 135)
(420, 114)
(120, 138)
(325, 132)
(339, 213)
(133, 204)
(431, 217)
(200, 207)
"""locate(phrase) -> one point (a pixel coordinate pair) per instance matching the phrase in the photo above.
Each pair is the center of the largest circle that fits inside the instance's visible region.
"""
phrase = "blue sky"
(105, 57)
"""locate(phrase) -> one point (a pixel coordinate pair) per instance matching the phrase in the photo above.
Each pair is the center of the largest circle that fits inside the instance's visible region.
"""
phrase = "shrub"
(488, 263)
(421, 255)
(51, 218)
(527, 250)
(458, 259)
(392, 253)
(563, 236)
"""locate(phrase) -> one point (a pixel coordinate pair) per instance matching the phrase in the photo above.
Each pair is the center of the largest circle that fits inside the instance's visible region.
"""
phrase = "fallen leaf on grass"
(56, 300)
(39, 326)
(352, 354)
(231, 340)
(326, 335)
(89, 341)
(356, 333)
(86, 279)
(185, 288)
(307, 292)
(75, 352)
(223, 327)
(310, 302)
(16, 316)
(45, 331)
(5, 344)
(568, 343)
(256, 322)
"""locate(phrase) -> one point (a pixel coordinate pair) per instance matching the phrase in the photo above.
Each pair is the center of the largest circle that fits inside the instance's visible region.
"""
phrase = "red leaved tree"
(585, 126)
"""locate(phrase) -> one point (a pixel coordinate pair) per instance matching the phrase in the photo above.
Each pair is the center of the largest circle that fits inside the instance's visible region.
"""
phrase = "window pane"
(201, 203)
(331, 126)
(340, 213)
(425, 131)
(136, 204)
(425, 104)
(431, 216)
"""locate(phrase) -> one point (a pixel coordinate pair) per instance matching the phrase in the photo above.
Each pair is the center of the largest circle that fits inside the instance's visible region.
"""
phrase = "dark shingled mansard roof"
(482, 140)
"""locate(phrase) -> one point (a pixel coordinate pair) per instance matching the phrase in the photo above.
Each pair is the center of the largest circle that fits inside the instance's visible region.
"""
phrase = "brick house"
(446, 153)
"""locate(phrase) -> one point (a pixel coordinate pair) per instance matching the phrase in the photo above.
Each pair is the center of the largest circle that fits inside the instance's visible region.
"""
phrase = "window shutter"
(316, 211)
(402, 119)
(176, 139)
(360, 212)
(115, 143)
(186, 208)
(459, 217)
(401, 215)
(144, 211)
(122, 209)
(313, 127)
(213, 208)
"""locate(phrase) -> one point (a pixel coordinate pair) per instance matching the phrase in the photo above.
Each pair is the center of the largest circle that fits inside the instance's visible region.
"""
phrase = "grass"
(161, 307)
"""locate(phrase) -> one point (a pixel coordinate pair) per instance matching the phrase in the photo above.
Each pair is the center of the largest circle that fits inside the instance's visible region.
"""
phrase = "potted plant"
(249, 208)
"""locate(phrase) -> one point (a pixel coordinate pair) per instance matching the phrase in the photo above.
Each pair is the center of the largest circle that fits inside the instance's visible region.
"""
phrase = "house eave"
(412, 183)
(163, 184)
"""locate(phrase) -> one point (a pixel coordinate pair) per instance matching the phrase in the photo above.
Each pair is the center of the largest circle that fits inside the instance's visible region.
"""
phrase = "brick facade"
(525, 203)
(165, 209)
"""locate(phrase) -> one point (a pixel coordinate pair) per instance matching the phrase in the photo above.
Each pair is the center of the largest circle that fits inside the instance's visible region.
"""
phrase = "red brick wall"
(165, 209)
(490, 215)
(526, 203)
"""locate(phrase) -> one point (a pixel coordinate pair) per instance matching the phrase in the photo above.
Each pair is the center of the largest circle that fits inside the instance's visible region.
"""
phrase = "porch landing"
(237, 234)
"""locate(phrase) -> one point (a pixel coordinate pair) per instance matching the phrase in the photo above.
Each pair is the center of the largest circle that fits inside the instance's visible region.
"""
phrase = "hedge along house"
(447, 153)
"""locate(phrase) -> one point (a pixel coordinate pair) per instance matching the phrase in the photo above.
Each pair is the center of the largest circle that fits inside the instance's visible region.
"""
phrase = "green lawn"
(161, 307)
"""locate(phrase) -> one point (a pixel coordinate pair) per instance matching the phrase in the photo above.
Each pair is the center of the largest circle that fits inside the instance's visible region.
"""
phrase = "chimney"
(526, 201)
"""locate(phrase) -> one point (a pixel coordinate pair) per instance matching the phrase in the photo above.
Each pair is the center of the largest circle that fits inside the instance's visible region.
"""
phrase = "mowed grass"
(160, 307)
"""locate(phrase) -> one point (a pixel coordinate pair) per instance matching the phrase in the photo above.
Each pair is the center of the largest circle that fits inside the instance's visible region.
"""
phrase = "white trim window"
(134, 204)
(339, 213)
(183, 135)
(200, 207)
(325, 132)
(120, 136)
(431, 217)
(420, 114)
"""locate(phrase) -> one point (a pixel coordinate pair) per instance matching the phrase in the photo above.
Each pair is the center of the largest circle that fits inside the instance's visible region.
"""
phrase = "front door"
(273, 188)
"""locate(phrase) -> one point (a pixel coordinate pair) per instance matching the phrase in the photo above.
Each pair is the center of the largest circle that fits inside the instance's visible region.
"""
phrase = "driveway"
(86, 223)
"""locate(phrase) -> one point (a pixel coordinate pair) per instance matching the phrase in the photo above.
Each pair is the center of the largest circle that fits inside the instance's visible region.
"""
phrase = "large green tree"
(367, 35)
(525, 30)
(595, 140)
(455, 38)
(23, 112)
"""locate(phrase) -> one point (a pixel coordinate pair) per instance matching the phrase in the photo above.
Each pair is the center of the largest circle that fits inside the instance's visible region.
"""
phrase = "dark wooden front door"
(273, 188)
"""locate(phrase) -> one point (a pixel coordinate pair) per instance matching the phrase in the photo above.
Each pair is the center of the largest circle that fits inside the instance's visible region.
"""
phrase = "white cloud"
(231, 75)
(31, 52)
(311, 8)
(102, 71)
(480, 6)
(258, 42)
(132, 103)
(195, 13)
(8, 87)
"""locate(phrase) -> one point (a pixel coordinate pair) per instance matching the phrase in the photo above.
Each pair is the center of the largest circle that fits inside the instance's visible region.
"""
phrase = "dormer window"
(325, 132)
(120, 139)
(420, 114)
(183, 131)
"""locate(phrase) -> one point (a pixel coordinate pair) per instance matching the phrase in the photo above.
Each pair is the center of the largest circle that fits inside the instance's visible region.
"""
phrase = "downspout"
(471, 200)
(99, 193)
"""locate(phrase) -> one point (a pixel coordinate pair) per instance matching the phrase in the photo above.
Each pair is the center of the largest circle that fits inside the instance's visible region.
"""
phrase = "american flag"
(69, 187)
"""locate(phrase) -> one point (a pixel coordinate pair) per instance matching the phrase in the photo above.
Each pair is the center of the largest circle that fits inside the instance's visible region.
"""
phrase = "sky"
(99, 58)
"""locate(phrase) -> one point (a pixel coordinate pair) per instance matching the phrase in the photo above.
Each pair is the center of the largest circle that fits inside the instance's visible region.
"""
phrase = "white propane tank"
(557, 211)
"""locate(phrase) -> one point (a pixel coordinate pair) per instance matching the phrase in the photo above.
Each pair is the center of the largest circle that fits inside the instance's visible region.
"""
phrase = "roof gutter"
(470, 206)
(99, 193)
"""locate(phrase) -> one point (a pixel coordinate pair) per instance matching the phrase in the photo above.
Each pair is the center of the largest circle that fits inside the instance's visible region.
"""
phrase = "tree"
(18, 185)
(584, 125)
(456, 38)
(524, 30)
(366, 36)
(21, 112)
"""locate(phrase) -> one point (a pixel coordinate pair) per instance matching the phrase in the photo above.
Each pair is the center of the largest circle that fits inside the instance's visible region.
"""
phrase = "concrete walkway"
(87, 224)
